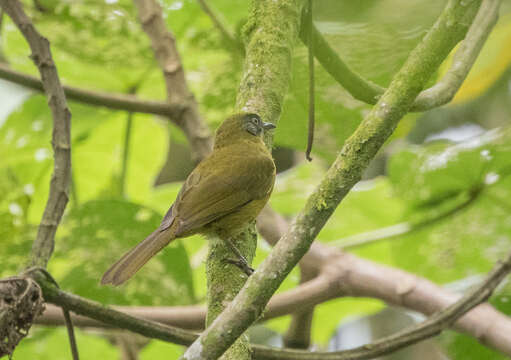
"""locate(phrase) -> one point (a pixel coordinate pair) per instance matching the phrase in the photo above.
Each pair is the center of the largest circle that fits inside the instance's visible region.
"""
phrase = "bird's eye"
(255, 120)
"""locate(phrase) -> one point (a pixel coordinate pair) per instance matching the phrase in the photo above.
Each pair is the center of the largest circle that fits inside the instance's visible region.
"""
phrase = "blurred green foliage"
(99, 45)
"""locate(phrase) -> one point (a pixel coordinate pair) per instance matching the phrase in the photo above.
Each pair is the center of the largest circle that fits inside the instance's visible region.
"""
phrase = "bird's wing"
(219, 186)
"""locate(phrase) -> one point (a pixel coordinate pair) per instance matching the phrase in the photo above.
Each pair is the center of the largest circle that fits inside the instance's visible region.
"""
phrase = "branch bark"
(42, 248)
(113, 101)
(165, 51)
(358, 150)
(428, 328)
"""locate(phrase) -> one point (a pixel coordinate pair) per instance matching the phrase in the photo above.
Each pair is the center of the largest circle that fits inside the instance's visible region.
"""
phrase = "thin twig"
(42, 273)
(71, 334)
(310, 134)
(61, 139)
(438, 95)
(97, 98)
(125, 153)
(126, 145)
(443, 91)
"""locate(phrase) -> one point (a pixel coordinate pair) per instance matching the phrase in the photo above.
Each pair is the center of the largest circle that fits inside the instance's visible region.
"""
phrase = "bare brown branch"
(61, 140)
(165, 51)
(97, 98)
(433, 326)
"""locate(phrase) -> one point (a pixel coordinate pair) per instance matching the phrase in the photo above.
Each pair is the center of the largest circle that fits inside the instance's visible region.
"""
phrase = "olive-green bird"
(225, 192)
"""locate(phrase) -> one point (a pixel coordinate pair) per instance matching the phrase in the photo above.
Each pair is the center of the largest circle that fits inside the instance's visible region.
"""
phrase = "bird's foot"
(242, 264)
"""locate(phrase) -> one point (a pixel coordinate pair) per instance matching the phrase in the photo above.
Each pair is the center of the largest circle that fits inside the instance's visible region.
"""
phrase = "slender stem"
(356, 85)
(125, 153)
(443, 91)
(71, 334)
(310, 136)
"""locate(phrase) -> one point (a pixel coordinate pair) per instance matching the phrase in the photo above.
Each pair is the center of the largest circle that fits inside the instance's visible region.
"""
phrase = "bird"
(221, 196)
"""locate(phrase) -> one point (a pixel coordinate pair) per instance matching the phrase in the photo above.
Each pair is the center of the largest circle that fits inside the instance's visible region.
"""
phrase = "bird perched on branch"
(220, 197)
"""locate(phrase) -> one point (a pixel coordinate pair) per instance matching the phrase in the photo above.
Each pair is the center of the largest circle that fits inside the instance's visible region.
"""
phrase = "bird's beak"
(268, 125)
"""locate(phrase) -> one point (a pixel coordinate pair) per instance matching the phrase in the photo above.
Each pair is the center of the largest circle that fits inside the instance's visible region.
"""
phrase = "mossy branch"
(272, 28)
(345, 172)
(165, 50)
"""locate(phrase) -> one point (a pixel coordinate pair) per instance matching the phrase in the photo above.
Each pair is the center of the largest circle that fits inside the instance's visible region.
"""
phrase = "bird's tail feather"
(134, 259)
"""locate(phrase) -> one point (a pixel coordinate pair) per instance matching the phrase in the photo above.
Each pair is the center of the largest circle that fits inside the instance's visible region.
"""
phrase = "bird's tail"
(134, 259)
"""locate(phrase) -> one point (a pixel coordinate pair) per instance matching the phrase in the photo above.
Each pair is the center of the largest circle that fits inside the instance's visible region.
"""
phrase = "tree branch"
(114, 318)
(61, 139)
(298, 334)
(443, 91)
(113, 101)
(337, 274)
(434, 325)
(165, 51)
(438, 95)
(347, 169)
(428, 328)
(58, 197)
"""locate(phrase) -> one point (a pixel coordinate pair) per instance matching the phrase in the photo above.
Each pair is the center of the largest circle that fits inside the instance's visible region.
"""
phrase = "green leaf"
(463, 347)
(56, 345)
(159, 350)
(434, 177)
(96, 234)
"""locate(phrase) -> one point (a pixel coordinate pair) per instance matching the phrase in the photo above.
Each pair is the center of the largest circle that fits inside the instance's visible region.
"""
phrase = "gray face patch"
(253, 124)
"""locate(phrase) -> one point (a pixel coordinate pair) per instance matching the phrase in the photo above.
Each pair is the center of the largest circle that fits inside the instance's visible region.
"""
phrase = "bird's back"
(230, 179)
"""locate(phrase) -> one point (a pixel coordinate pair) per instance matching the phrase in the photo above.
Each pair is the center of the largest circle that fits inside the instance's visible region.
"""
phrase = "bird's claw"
(242, 265)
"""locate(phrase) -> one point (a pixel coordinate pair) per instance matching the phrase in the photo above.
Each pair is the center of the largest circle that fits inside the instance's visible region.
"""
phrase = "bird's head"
(244, 125)
(253, 124)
